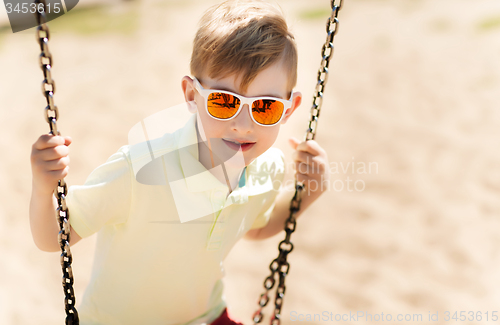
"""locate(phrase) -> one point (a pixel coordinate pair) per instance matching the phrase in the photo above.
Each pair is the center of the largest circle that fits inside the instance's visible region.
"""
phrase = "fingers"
(305, 157)
(67, 140)
(56, 164)
(308, 169)
(48, 141)
(313, 184)
(310, 164)
(50, 148)
(52, 176)
(50, 160)
(310, 146)
(294, 142)
(46, 180)
(304, 179)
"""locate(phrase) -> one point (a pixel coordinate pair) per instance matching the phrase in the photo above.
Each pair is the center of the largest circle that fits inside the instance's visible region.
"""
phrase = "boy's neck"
(204, 156)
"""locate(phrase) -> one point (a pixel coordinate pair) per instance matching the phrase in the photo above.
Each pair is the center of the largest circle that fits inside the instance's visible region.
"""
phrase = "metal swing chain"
(60, 192)
(280, 264)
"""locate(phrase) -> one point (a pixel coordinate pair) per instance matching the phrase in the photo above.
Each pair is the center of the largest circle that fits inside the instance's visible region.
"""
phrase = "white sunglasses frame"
(243, 100)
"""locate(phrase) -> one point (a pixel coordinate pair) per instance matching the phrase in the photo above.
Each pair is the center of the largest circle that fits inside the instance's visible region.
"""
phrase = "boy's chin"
(236, 161)
(230, 157)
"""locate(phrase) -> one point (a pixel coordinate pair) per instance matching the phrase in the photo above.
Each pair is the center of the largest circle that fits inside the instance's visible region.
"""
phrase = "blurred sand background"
(414, 90)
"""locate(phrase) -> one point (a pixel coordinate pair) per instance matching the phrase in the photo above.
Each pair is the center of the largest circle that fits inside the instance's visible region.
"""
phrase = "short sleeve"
(277, 179)
(263, 218)
(105, 197)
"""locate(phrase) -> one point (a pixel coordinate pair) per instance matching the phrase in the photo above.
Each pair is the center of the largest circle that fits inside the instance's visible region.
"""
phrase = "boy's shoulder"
(150, 148)
(158, 134)
(143, 156)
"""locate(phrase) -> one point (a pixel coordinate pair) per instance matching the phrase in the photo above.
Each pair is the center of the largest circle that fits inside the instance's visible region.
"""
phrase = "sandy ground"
(414, 94)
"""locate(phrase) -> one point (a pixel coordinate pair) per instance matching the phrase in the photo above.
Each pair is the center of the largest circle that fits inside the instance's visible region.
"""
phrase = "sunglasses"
(225, 105)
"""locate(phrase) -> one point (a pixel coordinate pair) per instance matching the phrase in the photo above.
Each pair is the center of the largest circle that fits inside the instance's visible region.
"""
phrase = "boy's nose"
(243, 122)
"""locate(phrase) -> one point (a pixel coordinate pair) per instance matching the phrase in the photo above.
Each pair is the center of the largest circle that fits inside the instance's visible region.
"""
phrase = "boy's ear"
(189, 93)
(296, 101)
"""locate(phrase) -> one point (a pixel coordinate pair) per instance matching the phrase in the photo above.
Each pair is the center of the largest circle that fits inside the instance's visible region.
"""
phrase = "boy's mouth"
(237, 144)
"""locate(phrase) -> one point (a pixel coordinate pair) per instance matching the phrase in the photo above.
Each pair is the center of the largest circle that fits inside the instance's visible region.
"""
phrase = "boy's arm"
(281, 212)
(311, 164)
(43, 222)
(49, 163)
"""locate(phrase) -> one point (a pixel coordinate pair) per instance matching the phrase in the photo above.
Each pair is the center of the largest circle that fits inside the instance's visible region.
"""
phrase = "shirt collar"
(197, 177)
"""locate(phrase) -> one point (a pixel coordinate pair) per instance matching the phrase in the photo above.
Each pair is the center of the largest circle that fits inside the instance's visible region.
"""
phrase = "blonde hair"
(243, 36)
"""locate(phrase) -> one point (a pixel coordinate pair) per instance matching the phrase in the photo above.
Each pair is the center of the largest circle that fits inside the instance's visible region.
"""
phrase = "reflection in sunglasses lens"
(222, 105)
(267, 111)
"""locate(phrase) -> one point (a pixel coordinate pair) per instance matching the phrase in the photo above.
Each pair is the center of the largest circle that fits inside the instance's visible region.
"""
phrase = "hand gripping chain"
(280, 265)
(60, 192)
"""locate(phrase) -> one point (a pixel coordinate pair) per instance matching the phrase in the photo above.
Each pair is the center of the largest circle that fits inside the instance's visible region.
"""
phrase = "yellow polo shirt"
(164, 227)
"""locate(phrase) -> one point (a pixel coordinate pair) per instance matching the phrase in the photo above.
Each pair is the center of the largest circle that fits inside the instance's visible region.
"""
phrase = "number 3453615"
(471, 316)
(32, 8)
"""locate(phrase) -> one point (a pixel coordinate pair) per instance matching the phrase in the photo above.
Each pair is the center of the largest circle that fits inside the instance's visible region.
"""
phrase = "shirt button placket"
(218, 201)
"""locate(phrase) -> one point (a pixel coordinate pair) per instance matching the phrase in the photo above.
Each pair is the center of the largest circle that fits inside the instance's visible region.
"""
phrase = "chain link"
(60, 192)
(280, 265)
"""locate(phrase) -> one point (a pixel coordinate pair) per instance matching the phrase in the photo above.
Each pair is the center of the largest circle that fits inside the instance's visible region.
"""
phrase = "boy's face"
(221, 134)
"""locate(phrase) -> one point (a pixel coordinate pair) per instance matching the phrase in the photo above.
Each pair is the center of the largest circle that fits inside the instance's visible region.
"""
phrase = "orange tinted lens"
(267, 111)
(222, 105)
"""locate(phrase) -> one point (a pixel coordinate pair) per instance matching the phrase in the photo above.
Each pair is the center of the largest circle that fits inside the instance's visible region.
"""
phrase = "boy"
(160, 246)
